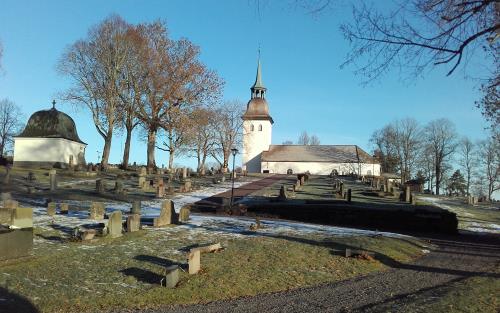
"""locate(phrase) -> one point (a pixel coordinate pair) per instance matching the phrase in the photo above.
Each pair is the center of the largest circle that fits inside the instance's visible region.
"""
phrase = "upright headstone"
(187, 186)
(282, 196)
(407, 194)
(115, 224)
(10, 204)
(167, 214)
(51, 209)
(64, 208)
(118, 187)
(97, 211)
(194, 261)
(136, 207)
(349, 195)
(160, 191)
(133, 222)
(184, 213)
(171, 276)
(22, 218)
(53, 179)
(184, 173)
(99, 186)
(141, 182)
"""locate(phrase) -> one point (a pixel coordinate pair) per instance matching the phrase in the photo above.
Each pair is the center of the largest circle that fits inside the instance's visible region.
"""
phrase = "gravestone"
(282, 196)
(15, 243)
(136, 207)
(133, 222)
(194, 261)
(413, 198)
(53, 179)
(64, 208)
(184, 173)
(171, 276)
(167, 214)
(97, 211)
(187, 186)
(160, 191)
(115, 224)
(302, 180)
(87, 234)
(51, 208)
(118, 187)
(349, 195)
(142, 171)
(184, 213)
(22, 218)
(10, 204)
(407, 194)
(99, 186)
(141, 182)
(223, 178)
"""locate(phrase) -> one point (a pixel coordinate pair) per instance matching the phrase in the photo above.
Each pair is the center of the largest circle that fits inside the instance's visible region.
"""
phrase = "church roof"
(317, 153)
(257, 109)
(258, 78)
(51, 124)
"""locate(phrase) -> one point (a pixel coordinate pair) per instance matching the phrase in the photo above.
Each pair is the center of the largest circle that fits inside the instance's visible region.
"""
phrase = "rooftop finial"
(54, 104)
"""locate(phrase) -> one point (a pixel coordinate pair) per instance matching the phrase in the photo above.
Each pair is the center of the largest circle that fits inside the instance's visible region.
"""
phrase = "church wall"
(254, 142)
(46, 151)
(321, 168)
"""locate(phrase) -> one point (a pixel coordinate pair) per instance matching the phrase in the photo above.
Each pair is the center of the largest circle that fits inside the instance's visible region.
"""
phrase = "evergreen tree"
(457, 185)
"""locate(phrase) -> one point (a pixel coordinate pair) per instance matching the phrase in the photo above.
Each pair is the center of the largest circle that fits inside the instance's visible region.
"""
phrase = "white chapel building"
(49, 139)
(260, 156)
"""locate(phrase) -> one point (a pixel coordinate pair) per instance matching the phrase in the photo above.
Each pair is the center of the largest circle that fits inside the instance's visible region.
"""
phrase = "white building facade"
(49, 139)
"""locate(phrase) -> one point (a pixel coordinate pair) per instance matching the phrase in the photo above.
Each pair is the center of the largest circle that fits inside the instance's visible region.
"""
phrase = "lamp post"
(234, 151)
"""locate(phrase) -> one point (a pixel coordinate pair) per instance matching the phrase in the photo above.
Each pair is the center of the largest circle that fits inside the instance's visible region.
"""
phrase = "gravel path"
(405, 287)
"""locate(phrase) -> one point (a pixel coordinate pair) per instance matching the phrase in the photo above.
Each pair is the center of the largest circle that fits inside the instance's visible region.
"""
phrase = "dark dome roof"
(257, 108)
(51, 124)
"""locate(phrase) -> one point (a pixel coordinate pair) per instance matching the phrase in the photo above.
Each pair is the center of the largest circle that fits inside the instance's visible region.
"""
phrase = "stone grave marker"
(194, 261)
(184, 213)
(184, 173)
(133, 222)
(15, 243)
(10, 204)
(282, 196)
(118, 187)
(97, 211)
(171, 277)
(99, 186)
(63, 208)
(141, 182)
(87, 234)
(136, 207)
(51, 208)
(407, 194)
(187, 186)
(53, 179)
(22, 218)
(167, 214)
(115, 224)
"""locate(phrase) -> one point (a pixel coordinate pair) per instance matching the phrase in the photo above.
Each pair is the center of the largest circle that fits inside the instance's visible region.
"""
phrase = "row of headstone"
(472, 200)
(52, 208)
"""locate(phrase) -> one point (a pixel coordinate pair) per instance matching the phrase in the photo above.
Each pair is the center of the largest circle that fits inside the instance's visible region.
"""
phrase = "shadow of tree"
(13, 302)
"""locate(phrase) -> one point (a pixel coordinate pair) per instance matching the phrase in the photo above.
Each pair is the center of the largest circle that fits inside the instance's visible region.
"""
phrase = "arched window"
(260, 127)
(251, 128)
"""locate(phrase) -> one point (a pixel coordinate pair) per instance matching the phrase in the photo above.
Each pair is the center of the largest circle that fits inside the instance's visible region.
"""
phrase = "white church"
(260, 156)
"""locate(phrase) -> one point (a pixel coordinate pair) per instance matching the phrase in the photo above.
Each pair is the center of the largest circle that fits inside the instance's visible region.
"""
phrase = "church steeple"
(258, 89)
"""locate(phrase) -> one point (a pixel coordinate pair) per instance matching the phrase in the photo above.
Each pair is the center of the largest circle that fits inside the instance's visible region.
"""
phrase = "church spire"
(258, 89)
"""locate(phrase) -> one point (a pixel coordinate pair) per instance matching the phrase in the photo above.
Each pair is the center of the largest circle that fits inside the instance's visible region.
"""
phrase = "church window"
(260, 127)
(251, 128)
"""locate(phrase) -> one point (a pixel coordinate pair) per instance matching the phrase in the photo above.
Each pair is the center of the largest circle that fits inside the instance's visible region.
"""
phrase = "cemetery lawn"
(66, 276)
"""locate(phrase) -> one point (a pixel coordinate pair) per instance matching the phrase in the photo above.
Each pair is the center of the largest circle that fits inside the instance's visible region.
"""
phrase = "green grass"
(125, 272)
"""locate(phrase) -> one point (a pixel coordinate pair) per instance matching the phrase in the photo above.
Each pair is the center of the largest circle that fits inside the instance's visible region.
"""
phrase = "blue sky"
(301, 57)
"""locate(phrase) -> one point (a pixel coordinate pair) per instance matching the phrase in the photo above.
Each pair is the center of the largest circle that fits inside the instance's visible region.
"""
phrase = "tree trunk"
(438, 178)
(107, 149)
(151, 148)
(171, 158)
(126, 150)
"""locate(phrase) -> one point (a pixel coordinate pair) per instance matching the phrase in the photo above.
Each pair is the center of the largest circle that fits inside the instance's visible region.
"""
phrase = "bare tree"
(203, 136)
(440, 137)
(95, 65)
(304, 139)
(314, 141)
(467, 161)
(173, 77)
(228, 129)
(407, 145)
(384, 141)
(427, 163)
(489, 151)
(10, 123)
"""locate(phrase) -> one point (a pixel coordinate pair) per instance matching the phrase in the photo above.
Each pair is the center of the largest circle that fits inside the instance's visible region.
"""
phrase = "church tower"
(257, 126)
